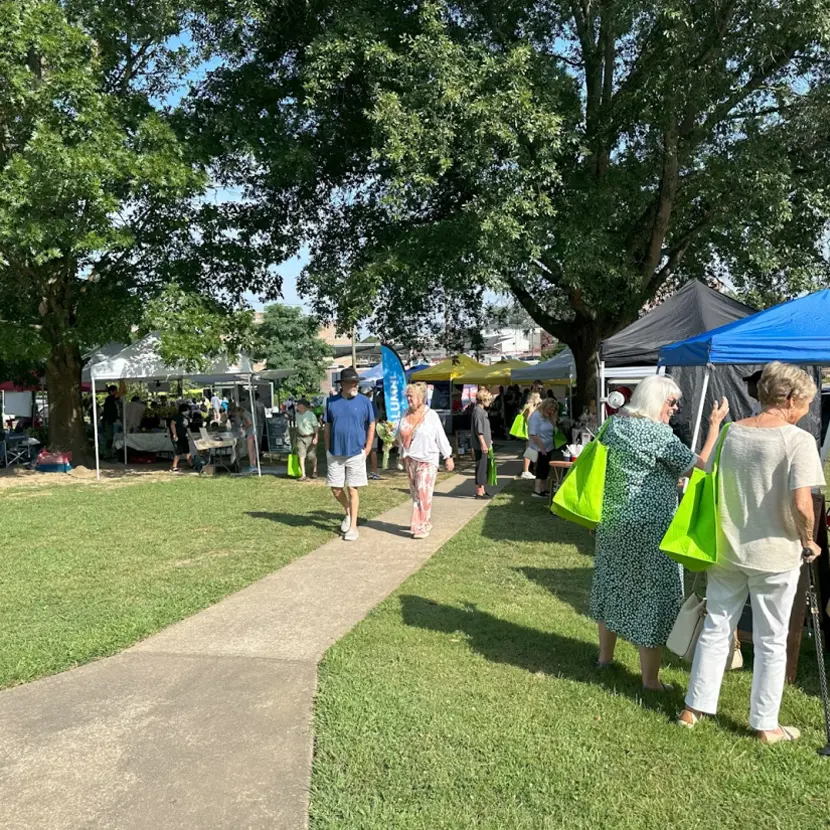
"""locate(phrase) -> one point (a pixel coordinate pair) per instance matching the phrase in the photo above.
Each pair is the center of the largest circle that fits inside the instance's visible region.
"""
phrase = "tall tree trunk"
(583, 340)
(66, 420)
(63, 366)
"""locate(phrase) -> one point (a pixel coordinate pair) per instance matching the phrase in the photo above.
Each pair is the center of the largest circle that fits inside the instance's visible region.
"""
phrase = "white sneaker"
(351, 535)
(528, 476)
(346, 524)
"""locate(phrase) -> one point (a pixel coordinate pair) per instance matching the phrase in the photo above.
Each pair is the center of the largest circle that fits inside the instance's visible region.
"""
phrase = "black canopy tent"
(694, 309)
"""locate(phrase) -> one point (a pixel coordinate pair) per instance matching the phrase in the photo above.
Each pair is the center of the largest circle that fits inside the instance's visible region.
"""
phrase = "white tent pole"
(601, 393)
(571, 394)
(699, 417)
(124, 428)
(252, 404)
(95, 425)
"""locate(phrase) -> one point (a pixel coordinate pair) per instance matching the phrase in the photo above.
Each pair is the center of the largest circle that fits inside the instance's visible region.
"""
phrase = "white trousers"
(772, 597)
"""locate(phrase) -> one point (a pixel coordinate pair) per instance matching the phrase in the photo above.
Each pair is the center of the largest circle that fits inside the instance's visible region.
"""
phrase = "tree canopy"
(289, 339)
(102, 199)
(585, 155)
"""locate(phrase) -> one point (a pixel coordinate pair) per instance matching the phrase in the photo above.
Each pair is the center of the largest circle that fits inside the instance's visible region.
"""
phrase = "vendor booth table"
(148, 442)
(142, 363)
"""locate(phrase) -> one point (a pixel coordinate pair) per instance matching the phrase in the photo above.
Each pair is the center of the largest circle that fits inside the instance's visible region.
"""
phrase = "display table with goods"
(220, 449)
(149, 442)
(558, 471)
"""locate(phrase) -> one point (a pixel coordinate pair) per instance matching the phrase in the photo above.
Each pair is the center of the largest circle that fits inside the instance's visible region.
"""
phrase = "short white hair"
(650, 395)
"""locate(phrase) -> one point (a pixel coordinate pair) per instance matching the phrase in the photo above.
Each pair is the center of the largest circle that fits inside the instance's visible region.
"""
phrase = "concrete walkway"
(208, 724)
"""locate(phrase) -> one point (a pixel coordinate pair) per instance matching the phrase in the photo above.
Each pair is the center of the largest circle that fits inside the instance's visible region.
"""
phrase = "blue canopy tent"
(797, 332)
(410, 372)
(373, 374)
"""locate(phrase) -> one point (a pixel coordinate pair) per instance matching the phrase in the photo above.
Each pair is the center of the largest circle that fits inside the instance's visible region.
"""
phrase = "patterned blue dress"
(637, 590)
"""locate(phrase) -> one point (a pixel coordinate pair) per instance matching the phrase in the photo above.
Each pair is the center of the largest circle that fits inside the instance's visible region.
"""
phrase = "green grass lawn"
(469, 700)
(86, 570)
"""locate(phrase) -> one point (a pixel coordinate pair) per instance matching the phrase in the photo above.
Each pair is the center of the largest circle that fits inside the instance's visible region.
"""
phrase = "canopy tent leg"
(252, 404)
(601, 393)
(699, 417)
(571, 396)
(95, 426)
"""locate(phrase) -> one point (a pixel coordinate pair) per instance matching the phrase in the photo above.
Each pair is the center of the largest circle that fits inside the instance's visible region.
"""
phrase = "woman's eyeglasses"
(672, 402)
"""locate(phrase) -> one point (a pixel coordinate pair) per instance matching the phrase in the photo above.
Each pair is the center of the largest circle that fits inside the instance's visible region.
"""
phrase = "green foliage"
(194, 329)
(101, 189)
(584, 156)
(288, 339)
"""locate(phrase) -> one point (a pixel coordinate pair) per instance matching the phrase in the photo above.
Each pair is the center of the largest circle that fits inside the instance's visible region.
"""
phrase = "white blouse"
(429, 443)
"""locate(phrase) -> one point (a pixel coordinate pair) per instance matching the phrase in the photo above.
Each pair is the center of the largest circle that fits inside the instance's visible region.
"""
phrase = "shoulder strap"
(721, 438)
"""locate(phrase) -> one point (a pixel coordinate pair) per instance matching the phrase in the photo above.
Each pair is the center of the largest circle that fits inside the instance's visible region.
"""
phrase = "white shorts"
(346, 471)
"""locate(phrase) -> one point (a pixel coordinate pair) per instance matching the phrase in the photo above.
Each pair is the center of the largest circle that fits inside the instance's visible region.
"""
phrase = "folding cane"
(815, 616)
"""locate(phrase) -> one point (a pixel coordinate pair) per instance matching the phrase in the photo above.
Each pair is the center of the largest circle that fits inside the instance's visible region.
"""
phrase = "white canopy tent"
(560, 367)
(98, 355)
(141, 362)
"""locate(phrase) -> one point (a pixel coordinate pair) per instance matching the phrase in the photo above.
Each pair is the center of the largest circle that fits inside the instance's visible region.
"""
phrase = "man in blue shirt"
(349, 433)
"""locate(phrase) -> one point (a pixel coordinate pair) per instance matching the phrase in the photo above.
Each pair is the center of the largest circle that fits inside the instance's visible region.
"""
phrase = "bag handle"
(716, 465)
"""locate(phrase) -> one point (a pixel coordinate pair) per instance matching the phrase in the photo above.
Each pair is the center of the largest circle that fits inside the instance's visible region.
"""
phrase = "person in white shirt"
(768, 468)
(423, 442)
(216, 406)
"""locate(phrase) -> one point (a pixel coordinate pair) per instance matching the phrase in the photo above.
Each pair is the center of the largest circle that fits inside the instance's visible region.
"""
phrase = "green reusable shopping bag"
(692, 537)
(519, 428)
(294, 470)
(579, 497)
(492, 470)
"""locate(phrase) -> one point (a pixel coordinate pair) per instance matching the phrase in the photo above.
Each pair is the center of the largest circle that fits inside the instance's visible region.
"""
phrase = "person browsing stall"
(349, 433)
(307, 437)
(637, 590)
(544, 437)
(768, 467)
(180, 438)
(482, 439)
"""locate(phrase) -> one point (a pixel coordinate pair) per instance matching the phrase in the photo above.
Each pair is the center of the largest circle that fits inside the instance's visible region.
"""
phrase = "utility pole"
(354, 348)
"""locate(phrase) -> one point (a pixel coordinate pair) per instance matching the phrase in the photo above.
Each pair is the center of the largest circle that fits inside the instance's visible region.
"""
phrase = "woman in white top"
(423, 442)
(530, 407)
(768, 468)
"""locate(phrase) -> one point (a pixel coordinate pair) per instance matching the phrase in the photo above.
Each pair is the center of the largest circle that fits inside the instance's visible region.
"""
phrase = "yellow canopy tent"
(496, 374)
(449, 369)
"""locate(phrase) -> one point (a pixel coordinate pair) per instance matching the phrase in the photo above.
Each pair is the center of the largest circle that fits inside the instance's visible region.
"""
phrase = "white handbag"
(687, 627)
(686, 632)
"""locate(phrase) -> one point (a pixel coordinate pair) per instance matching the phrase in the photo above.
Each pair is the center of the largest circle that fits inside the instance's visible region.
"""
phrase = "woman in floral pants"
(423, 442)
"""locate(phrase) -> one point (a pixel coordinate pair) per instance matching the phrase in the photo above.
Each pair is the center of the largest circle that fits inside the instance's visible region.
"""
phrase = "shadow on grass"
(321, 519)
(518, 517)
(501, 641)
(327, 520)
(569, 585)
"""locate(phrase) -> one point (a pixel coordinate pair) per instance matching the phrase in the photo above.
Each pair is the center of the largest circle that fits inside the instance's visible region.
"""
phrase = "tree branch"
(761, 76)
(551, 325)
(665, 203)
(678, 250)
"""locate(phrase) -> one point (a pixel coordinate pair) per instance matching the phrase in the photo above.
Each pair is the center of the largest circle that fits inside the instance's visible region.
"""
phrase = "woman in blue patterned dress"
(637, 590)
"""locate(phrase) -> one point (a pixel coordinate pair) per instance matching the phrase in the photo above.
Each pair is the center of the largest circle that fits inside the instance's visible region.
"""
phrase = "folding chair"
(16, 450)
